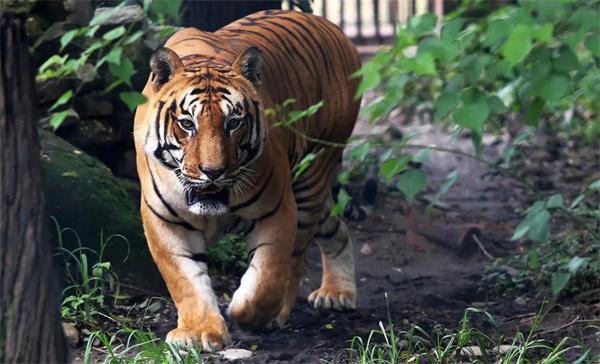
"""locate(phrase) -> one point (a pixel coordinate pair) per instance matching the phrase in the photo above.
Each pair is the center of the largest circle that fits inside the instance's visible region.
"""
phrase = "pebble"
(366, 249)
(235, 354)
(71, 334)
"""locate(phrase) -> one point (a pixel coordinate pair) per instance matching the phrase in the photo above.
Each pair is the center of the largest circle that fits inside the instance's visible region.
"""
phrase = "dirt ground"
(430, 265)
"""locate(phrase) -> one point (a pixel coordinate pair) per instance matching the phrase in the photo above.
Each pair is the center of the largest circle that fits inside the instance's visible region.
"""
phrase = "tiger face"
(208, 126)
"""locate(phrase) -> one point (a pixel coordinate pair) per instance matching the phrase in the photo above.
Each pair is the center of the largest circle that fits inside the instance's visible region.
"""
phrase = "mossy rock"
(82, 193)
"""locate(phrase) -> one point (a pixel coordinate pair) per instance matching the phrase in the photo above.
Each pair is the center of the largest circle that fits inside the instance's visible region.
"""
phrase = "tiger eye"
(186, 124)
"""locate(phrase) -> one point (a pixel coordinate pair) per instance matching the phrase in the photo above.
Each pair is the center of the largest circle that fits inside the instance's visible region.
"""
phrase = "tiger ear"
(164, 63)
(249, 65)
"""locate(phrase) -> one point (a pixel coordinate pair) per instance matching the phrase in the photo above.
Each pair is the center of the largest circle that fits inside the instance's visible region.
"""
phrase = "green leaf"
(421, 156)
(533, 258)
(451, 28)
(123, 70)
(370, 77)
(360, 152)
(303, 165)
(577, 201)
(555, 202)
(114, 33)
(560, 281)
(594, 186)
(63, 99)
(411, 182)
(101, 17)
(496, 104)
(342, 201)
(132, 99)
(577, 263)
(114, 56)
(392, 167)
(592, 43)
(539, 229)
(518, 44)
(422, 24)
(134, 37)
(449, 181)
(554, 87)
(445, 103)
(58, 118)
(168, 7)
(566, 61)
(543, 33)
(67, 38)
(533, 112)
(474, 111)
(521, 230)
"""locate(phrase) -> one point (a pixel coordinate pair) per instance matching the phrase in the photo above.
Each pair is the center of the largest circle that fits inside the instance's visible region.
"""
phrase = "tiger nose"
(212, 173)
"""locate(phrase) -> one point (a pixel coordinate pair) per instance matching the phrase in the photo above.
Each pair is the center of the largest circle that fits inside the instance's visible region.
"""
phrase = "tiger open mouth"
(207, 195)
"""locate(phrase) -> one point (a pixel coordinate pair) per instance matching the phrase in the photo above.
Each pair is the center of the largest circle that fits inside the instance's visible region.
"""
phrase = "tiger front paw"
(209, 337)
(333, 298)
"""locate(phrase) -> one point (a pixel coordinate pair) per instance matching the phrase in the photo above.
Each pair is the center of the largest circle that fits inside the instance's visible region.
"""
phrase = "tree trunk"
(30, 327)
(210, 15)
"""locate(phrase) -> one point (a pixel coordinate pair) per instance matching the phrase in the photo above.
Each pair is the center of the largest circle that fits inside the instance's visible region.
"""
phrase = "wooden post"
(30, 327)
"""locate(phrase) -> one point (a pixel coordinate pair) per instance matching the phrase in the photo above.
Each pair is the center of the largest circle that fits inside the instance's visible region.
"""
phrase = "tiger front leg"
(262, 292)
(178, 253)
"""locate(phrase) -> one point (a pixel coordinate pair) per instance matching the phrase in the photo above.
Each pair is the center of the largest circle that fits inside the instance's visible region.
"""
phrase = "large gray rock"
(83, 194)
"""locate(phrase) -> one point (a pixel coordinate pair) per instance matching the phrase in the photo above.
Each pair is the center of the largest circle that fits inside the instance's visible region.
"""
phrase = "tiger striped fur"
(210, 162)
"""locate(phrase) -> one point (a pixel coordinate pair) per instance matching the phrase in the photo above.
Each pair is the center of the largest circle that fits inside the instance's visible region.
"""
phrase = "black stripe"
(164, 219)
(158, 194)
(272, 212)
(304, 225)
(199, 257)
(254, 198)
(330, 234)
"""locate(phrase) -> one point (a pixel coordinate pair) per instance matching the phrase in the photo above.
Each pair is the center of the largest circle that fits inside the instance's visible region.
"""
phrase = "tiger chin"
(211, 162)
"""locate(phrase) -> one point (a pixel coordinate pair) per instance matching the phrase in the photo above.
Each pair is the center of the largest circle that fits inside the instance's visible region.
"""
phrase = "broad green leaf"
(370, 78)
(577, 263)
(424, 64)
(518, 44)
(445, 103)
(168, 7)
(533, 112)
(410, 183)
(123, 70)
(566, 61)
(592, 43)
(496, 104)
(392, 167)
(594, 185)
(132, 99)
(539, 229)
(422, 24)
(54, 60)
(67, 38)
(360, 152)
(114, 33)
(114, 56)
(560, 281)
(63, 99)
(543, 33)
(451, 28)
(555, 202)
(58, 118)
(554, 87)
(521, 230)
(134, 37)
(472, 115)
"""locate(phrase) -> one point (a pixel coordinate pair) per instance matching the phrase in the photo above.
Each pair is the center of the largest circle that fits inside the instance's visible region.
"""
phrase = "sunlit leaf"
(410, 183)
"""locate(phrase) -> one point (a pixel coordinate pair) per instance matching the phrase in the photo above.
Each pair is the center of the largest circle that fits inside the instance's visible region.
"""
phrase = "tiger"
(212, 161)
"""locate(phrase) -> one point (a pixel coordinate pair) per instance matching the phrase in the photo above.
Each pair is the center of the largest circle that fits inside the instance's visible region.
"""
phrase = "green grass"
(467, 344)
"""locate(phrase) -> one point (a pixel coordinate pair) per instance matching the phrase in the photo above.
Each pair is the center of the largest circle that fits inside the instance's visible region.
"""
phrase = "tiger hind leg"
(338, 285)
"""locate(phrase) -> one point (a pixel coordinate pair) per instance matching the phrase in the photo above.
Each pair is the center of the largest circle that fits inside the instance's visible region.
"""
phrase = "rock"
(81, 193)
(366, 249)
(92, 105)
(520, 301)
(91, 133)
(471, 351)
(122, 15)
(235, 354)
(71, 334)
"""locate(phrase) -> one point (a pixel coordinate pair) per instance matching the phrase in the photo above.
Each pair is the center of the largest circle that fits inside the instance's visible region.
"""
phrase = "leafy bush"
(111, 53)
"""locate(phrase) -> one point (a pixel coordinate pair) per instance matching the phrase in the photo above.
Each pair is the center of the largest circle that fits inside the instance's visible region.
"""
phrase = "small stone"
(235, 354)
(366, 249)
(471, 351)
(71, 334)
(520, 301)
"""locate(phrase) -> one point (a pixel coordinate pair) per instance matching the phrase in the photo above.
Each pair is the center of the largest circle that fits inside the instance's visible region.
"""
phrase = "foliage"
(228, 254)
(91, 282)
(466, 344)
(105, 52)
(137, 346)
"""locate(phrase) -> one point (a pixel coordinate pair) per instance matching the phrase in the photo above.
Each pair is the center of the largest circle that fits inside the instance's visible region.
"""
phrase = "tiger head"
(207, 127)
